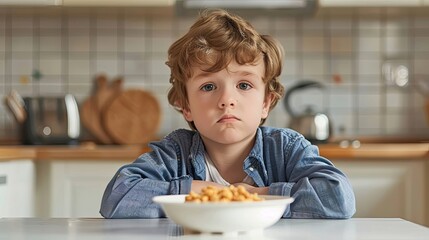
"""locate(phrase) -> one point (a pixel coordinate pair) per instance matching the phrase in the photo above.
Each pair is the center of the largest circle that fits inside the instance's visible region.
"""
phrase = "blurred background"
(357, 53)
(84, 88)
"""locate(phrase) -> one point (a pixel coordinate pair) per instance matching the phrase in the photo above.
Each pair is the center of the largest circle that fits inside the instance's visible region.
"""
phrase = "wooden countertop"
(131, 152)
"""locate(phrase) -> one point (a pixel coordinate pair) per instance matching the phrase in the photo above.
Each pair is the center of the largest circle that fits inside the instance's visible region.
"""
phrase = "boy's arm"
(320, 189)
(129, 194)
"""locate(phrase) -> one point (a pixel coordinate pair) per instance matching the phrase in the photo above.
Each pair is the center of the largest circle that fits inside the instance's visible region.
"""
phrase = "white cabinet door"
(17, 188)
(386, 188)
(74, 188)
(370, 3)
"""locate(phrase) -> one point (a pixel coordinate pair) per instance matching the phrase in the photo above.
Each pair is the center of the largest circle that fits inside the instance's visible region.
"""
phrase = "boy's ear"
(187, 114)
(267, 105)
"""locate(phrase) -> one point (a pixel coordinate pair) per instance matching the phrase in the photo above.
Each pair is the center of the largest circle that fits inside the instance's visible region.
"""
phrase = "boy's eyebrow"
(206, 74)
(202, 75)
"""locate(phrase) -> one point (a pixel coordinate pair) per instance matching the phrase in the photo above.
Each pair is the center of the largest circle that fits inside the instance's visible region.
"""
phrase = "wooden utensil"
(16, 106)
(91, 109)
(133, 117)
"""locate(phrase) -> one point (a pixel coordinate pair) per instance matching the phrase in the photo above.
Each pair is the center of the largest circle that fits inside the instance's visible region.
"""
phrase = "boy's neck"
(229, 158)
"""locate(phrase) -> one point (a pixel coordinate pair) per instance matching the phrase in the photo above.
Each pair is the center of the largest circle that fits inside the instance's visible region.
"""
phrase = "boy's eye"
(244, 86)
(208, 87)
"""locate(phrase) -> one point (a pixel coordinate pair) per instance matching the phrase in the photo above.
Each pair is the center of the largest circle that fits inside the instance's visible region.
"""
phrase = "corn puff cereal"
(227, 194)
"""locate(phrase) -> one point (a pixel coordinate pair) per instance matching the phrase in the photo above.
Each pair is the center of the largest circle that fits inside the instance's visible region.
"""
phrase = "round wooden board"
(133, 117)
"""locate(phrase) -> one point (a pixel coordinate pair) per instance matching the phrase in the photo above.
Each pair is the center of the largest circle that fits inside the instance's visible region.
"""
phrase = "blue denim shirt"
(281, 159)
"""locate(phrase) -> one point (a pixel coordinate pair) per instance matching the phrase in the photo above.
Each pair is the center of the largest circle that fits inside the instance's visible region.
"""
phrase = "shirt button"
(251, 169)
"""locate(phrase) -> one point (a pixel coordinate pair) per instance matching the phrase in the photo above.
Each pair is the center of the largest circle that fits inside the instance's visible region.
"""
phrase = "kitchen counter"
(131, 152)
(82, 229)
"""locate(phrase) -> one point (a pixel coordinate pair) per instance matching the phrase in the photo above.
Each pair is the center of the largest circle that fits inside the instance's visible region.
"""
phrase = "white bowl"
(220, 217)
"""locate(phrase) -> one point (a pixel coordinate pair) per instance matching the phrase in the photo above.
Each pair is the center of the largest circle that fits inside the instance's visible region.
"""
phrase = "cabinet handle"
(3, 180)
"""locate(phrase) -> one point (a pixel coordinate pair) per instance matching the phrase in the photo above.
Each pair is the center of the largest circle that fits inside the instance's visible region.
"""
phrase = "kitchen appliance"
(315, 126)
(51, 120)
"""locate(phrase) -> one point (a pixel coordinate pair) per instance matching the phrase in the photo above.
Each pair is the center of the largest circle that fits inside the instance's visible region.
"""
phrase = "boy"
(225, 80)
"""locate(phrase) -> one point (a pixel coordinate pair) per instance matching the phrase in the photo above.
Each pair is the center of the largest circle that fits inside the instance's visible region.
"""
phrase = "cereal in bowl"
(226, 194)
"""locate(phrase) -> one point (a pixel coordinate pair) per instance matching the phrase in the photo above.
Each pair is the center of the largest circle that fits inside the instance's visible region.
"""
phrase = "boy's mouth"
(228, 118)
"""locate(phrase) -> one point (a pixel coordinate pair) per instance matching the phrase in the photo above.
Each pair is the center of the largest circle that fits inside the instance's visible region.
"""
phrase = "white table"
(128, 229)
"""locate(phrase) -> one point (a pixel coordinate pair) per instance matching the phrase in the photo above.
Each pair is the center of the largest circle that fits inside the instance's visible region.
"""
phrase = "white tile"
(79, 44)
(135, 66)
(135, 22)
(344, 101)
(313, 44)
(421, 66)
(107, 43)
(107, 66)
(342, 124)
(157, 66)
(22, 44)
(51, 90)
(421, 23)
(80, 21)
(397, 124)
(50, 43)
(50, 66)
(341, 44)
(22, 67)
(161, 44)
(135, 44)
(49, 22)
(25, 22)
(369, 44)
(366, 101)
(340, 24)
(289, 65)
(284, 24)
(341, 66)
(288, 42)
(313, 66)
(369, 122)
(160, 24)
(369, 66)
(2, 41)
(369, 23)
(2, 68)
(106, 22)
(395, 46)
(421, 44)
(79, 66)
(396, 99)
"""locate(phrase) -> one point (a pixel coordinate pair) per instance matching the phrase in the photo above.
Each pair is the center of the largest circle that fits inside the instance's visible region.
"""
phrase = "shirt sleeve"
(129, 194)
(319, 188)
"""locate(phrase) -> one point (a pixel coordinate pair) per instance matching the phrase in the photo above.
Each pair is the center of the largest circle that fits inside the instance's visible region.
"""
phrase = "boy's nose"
(227, 102)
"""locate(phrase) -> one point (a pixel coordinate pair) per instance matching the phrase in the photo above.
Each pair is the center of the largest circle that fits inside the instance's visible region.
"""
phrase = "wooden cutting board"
(93, 106)
(133, 117)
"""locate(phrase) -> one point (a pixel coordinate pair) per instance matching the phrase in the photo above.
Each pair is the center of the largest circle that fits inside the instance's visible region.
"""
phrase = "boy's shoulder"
(181, 133)
(267, 131)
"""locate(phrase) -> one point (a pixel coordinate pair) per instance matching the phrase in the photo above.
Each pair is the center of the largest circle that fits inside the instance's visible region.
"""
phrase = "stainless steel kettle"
(315, 126)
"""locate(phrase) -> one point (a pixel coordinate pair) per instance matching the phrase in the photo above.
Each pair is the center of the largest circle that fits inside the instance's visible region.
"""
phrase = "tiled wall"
(346, 53)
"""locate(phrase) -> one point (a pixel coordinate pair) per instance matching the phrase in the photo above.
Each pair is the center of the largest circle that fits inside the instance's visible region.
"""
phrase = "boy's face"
(227, 106)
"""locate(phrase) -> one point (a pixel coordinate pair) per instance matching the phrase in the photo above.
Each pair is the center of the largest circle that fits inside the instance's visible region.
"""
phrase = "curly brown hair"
(227, 37)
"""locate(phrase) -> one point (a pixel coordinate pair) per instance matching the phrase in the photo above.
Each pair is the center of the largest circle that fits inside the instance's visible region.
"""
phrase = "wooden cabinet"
(17, 188)
(370, 3)
(71, 188)
(30, 2)
(389, 188)
(119, 3)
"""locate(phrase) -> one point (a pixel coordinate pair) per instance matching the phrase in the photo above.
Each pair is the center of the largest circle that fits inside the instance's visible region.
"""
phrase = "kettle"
(314, 126)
